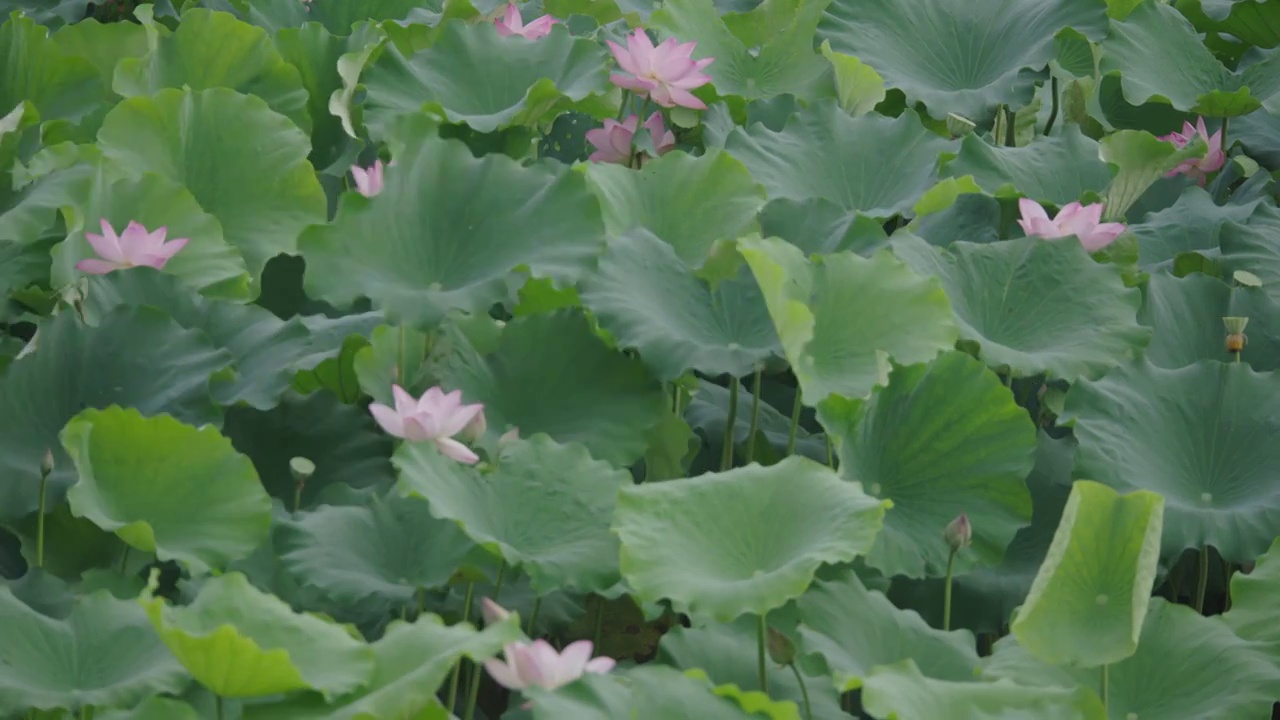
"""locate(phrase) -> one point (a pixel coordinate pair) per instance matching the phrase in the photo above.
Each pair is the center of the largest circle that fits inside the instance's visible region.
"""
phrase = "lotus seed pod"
(959, 126)
(1235, 325)
(302, 469)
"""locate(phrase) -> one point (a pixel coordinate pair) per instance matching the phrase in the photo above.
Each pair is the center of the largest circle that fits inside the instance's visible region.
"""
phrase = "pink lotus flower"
(511, 24)
(436, 416)
(613, 141)
(538, 663)
(1197, 168)
(665, 73)
(368, 182)
(1072, 219)
(135, 247)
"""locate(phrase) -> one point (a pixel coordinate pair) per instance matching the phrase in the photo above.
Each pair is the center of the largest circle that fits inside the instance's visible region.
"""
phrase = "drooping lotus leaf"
(164, 487)
(390, 549)
(1192, 435)
(215, 50)
(1057, 169)
(856, 630)
(981, 54)
(1186, 665)
(1252, 248)
(472, 75)
(75, 367)
(940, 440)
(651, 301)
(823, 152)
(411, 662)
(256, 180)
(1185, 315)
(1192, 224)
(742, 541)
(552, 374)
(901, 692)
(103, 653)
(1252, 613)
(1035, 306)
(689, 201)
(57, 83)
(546, 507)
(240, 642)
(840, 317)
(1141, 160)
(449, 230)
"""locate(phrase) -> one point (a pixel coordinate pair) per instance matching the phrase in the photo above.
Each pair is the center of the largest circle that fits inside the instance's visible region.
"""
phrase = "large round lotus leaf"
(552, 374)
(855, 630)
(651, 301)
(472, 75)
(74, 367)
(980, 54)
(1186, 666)
(1035, 306)
(901, 692)
(215, 50)
(785, 62)
(1086, 605)
(546, 507)
(1253, 248)
(742, 541)
(103, 44)
(156, 707)
(1185, 315)
(1057, 169)
(1192, 224)
(1193, 435)
(388, 549)
(103, 654)
(840, 317)
(164, 487)
(1253, 613)
(449, 230)
(941, 440)
(256, 180)
(822, 152)
(58, 83)
(689, 201)
(240, 642)
(819, 226)
(343, 441)
(206, 262)
(411, 662)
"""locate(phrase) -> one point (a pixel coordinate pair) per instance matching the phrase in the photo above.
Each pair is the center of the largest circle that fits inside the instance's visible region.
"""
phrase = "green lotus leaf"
(700, 542)
(395, 356)
(651, 301)
(1186, 314)
(103, 653)
(1141, 159)
(1252, 613)
(980, 54)
(785, 63)
(215, 50)
(823, 152)
(1189, 434)
(102, 44)
(389, 549)
(551, 374)
(449, 230)
(1259, 136)
(411, 662)
(1252, 248)
(667, 193)
(165, 487)
(470, 75)
(940, 440)
(255, 181)
(841, 316)
(240, 642)
(708, 412)
(546, 508)
(1057, 169)
(901, 692)
(1087, 604)
(154, 708)
(1192, 224)
(1035, 306)
(856, 630)
(1186, 666)
(1251, 22)
(819, 226)
(57, 83)
(343, 441)
(76, 367)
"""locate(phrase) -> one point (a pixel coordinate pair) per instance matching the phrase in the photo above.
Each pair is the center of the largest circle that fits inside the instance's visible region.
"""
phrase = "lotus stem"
(626, 103)
(726, 455)
(804, 692)
(632, 159)
(755, 413)
(762, 631)
(946, 592)
(1106, 682)
(44, 480)
(1202, 582)
(456, 678)
(599, 622)
(831, 458)
(1053, 108)
(217, 707)
(1010, 134)
(533, 614)
(1225, 145)
(796, 407)
(124, 560)
(473, 692)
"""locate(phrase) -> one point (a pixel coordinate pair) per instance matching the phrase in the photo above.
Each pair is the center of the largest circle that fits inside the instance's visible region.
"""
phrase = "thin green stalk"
(1009, 130)
(1202, 582)
(762, 631)
(473, 693)
(1175, 580)
(726, 455)
(124, 559)
(599, 623)
(217, 706)
(297, 495)
(1231, 571)
(86, 713)
(796, 407)
(831, 456)
(456, 679)
(755, 413)
(1106, 682)
(44, 480)
(946, 592)
(1225, 145)
(632, 160)
(626, 103)
(804, 692)
(1053, 109)
(533, 615)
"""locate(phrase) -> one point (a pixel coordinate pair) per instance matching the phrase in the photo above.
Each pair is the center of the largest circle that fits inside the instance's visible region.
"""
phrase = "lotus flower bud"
(782, 649)
(493, 612)
(46, 464)
(958, 533)
(509, 436)
(475, 429)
